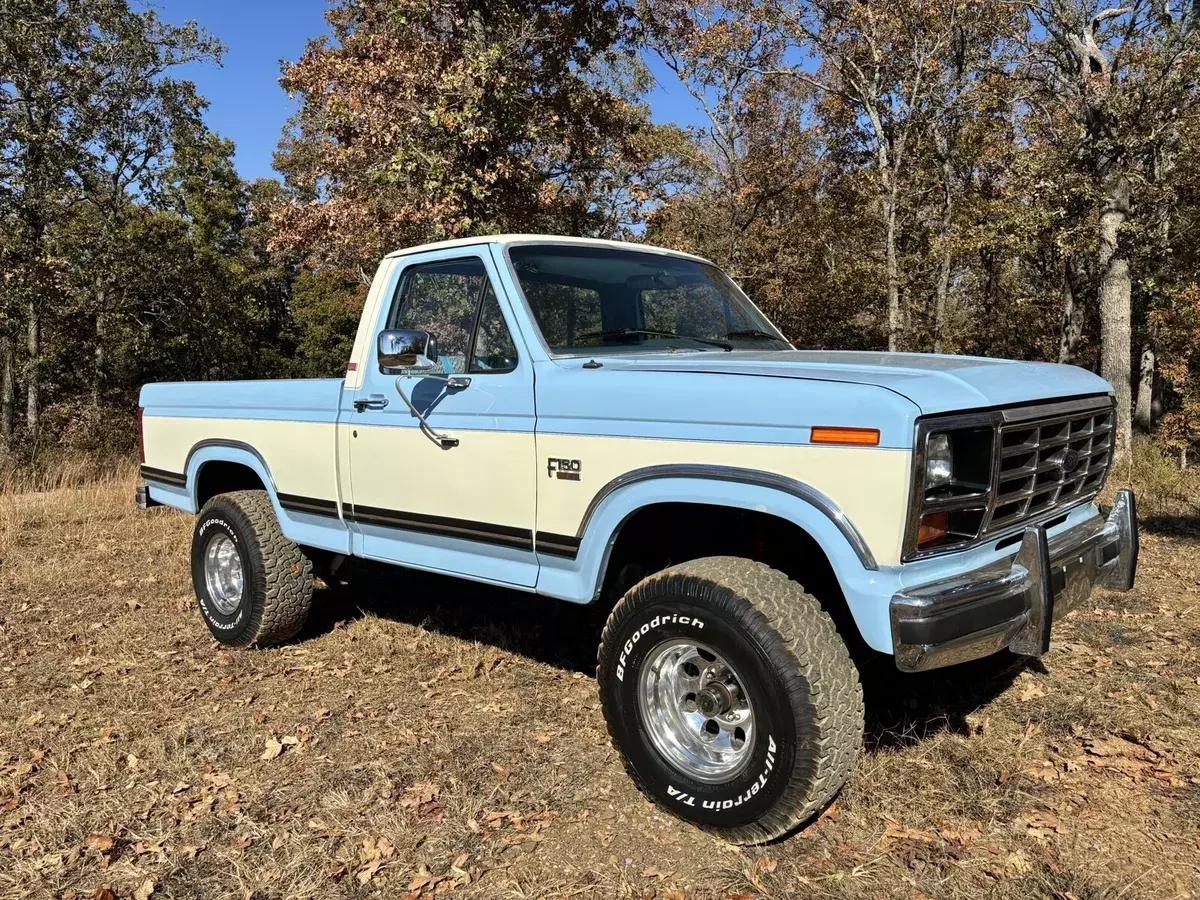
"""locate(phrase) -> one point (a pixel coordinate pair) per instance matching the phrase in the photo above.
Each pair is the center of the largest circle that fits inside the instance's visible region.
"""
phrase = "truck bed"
(286, 428)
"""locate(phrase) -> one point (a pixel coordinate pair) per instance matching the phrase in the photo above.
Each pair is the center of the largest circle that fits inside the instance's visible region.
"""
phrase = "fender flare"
(797, 489)
(224, 450)
(324, 532)
(580, 575)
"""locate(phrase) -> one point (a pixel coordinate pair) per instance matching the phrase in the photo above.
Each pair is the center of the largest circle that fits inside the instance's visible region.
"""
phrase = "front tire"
(254, 586)
(730, 696)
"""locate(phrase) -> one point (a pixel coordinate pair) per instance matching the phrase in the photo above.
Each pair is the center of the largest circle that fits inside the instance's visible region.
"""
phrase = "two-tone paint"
(726, 429)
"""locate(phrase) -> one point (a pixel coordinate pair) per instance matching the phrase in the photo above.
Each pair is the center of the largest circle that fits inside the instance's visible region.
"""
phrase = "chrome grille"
(1029, 477)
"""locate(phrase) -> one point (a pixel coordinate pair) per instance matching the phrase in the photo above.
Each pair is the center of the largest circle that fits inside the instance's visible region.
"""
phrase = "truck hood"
(935, 383)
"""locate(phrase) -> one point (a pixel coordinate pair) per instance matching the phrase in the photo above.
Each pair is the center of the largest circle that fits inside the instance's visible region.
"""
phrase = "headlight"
(953, 485)
(939, 461)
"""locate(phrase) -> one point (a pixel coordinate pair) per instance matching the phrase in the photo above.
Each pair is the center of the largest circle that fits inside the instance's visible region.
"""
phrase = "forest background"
(1000, 178)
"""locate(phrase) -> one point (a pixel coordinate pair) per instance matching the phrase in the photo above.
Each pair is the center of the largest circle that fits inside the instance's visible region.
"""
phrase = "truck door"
(466, 509)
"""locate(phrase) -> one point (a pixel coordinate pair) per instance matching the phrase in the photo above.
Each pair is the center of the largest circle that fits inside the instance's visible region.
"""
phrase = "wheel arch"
(219, 466)
(777, 505)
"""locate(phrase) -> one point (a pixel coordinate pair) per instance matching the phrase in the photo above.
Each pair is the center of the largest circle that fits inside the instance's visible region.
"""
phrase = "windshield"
(598, 299)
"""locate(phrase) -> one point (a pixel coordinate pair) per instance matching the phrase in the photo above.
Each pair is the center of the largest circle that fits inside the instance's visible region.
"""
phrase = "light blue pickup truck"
(618, 424)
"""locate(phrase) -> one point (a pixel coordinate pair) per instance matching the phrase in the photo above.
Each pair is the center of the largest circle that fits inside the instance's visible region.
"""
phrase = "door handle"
(375, 401)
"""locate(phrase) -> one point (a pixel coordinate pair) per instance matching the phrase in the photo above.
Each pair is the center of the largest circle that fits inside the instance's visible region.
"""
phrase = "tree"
(881, 61)
(86, 114)
(1109, 86)
(424, 120)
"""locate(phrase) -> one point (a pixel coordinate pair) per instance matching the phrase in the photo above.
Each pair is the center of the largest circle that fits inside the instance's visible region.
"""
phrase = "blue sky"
(246, 102)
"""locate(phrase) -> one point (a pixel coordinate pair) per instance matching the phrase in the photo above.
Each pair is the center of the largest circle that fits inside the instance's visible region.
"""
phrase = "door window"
(449, 300)
(494, 348)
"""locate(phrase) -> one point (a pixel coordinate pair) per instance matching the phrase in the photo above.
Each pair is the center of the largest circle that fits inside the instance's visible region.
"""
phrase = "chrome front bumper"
(1013, 603)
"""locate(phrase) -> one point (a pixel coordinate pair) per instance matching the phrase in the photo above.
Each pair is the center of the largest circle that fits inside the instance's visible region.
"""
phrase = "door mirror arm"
(451, 381)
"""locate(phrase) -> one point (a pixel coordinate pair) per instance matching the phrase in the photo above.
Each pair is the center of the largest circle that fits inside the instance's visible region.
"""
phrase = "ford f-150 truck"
(613, 423)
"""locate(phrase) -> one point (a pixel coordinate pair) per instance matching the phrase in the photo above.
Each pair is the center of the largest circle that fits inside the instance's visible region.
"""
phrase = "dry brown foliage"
(446, 741)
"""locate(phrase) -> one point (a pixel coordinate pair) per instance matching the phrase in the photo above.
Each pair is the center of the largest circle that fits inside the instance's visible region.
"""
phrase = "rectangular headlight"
(939, 460)
(952, 486)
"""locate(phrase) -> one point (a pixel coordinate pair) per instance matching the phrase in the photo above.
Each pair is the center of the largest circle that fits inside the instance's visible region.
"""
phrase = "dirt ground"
(428, 737)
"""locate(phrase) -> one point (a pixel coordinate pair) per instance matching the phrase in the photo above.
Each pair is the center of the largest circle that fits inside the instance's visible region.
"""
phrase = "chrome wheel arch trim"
(733, 474)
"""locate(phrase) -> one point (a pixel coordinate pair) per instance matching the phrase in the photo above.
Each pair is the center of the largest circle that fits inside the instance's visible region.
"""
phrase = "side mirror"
(403, 349)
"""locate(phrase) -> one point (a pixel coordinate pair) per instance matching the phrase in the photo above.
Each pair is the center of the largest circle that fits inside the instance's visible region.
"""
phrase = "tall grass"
(1161, 486)
(62, 472)
(66, 488)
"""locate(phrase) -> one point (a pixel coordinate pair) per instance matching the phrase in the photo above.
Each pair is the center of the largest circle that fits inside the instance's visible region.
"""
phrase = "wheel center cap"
(714, 700)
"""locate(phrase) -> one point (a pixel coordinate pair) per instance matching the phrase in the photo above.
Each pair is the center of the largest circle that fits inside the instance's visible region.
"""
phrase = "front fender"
(580, 579)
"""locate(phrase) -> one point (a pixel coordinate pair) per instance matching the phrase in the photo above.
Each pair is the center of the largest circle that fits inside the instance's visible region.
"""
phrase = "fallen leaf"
(144, 890)
(1031, 691)
(421, 792)
(272, 750)
(101, 843)
(366, 873)
(422, 878)
(894, 831)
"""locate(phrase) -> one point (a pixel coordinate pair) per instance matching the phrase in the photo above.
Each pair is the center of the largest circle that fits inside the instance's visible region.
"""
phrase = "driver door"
(468, 509)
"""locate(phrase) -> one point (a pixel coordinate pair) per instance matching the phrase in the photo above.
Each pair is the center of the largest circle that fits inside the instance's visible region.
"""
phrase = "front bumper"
(1013, 603)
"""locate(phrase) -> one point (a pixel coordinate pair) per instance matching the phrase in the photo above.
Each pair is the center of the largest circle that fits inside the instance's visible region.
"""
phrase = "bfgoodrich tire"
(254, 586)
(730, 697)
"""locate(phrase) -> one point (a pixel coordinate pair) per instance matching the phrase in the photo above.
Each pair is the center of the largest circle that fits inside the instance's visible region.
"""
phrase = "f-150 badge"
(566, 469)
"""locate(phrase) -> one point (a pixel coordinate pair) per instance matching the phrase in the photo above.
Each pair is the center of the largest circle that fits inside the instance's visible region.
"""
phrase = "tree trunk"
(1116, 332)
(98, 353)
(33, 337)
(895, 320)
(8, 388)
(943, 283)
(1143, 413)
(1073, 314)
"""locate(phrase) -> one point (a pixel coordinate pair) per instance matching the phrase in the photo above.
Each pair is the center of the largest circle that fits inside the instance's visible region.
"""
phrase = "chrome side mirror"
(414, 351)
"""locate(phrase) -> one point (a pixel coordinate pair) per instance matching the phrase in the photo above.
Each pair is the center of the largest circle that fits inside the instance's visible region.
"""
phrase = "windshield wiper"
(754, 333)
(625, 332)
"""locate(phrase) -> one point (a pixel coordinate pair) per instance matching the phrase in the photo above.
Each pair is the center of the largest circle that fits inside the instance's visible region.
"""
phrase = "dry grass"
(426, 735)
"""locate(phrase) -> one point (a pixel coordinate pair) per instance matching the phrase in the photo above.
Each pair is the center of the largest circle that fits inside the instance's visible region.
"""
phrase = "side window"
(494, 347)
(444, 299)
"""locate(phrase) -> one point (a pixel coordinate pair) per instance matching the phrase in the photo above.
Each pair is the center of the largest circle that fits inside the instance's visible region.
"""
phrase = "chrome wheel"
(223, 573)
(696, 711)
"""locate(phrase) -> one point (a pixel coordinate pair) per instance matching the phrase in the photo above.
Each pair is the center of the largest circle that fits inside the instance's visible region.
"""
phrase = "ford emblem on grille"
(1068, 460)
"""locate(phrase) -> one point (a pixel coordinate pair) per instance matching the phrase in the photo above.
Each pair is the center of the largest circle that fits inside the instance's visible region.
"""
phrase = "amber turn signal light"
(933, 528)
(833, 434)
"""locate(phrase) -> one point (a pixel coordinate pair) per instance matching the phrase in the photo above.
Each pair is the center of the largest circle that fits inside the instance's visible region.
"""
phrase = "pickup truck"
(618, 424)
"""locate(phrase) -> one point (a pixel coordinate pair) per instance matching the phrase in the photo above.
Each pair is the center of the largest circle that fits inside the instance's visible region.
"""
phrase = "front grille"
(1029, 476)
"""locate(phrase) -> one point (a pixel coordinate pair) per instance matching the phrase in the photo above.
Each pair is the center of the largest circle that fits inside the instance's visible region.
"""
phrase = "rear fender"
(308, 530)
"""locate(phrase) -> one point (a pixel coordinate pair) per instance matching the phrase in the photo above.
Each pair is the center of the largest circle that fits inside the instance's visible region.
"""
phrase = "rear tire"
(254, 586)
(766, 733)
